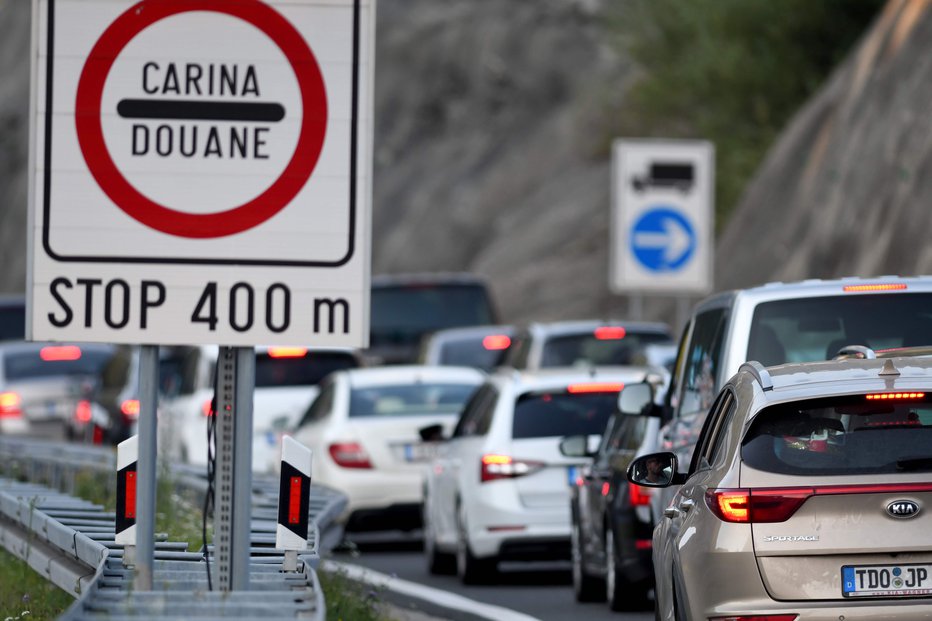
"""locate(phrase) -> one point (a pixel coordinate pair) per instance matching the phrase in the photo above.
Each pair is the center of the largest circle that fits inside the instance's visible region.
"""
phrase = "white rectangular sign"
(201, 171)
(662, 216)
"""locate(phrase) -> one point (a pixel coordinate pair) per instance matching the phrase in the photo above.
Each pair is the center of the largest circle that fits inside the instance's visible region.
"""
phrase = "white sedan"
(363, 431)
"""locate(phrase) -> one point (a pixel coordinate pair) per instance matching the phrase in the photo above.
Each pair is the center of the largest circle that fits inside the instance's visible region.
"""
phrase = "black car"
(612, 526)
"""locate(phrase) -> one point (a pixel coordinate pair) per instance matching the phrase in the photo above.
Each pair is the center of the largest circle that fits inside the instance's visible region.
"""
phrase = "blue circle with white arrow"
(663, 239)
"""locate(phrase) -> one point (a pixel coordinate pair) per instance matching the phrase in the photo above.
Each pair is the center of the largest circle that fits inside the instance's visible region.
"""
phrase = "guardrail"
(70, 542)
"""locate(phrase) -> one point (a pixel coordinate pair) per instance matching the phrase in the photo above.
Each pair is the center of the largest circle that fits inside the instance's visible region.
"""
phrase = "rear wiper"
(915, 463)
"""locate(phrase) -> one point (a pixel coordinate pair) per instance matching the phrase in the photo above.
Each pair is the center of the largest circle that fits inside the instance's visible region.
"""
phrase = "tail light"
(588, 387)
(496, 342)
(82, 411)
(789, 617)
(287, 352)
(350, 455)
(756, 506)
(130, 408)
(609, 333)
(639, 496)
(10, 405)
(505, 467)
(895, 396)
(207, 408)
(875, 287)
(60, 353)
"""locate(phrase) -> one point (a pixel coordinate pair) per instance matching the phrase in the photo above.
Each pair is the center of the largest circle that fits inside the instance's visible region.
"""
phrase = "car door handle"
(671, 512)
(686, 504)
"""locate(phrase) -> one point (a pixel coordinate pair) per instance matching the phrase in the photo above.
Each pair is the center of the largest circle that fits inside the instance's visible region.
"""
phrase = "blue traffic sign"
(663, 239)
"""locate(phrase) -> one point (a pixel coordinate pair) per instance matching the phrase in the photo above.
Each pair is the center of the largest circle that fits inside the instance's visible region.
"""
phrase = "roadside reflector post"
(127, 457)
(293, 499)
(145, 487)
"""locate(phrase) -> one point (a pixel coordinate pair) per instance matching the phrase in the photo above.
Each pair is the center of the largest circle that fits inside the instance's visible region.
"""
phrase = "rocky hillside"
(486, 158)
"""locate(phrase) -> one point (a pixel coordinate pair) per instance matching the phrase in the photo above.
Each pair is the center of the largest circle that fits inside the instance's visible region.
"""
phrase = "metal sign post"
(148, 449)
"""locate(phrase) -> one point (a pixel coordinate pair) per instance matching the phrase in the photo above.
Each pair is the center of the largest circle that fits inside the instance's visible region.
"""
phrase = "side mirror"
(636, 399)
(654, 470)
(575, 446)
(431, 433)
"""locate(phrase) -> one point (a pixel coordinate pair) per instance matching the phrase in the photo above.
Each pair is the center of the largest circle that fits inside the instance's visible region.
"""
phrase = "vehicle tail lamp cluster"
(349, 455)
(750, 506)
(506, 467)
(207, 409)
(82, 411)
(10, 405)
(496, 342)
(895, 396)
(609, 333)
(59, 353)
(130, 409)
(595, 387)
(287, 352)
(639, 496)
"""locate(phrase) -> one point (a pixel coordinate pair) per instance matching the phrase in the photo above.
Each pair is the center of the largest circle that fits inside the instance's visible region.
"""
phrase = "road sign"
(662, 197)
(201, 171)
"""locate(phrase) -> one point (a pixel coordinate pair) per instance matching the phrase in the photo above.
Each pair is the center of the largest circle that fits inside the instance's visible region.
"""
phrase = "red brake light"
(10, 405)
(287, 352)
(206, 408)
(56, 353)
(82, 411)
(349, 455)
(898, 396)
(496, 342)
(610, 333)
(875, 287)
(595, 387)
(639, 496)
(505, 467)
(757, 506)
(130, 408)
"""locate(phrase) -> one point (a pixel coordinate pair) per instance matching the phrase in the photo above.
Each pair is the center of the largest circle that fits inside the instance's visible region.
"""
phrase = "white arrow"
(675, 240)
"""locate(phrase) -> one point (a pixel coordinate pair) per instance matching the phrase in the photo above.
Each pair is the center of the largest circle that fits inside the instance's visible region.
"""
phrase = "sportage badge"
(903, 509)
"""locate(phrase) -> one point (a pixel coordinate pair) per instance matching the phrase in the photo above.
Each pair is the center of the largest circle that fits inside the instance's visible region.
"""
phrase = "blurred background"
(494, 121)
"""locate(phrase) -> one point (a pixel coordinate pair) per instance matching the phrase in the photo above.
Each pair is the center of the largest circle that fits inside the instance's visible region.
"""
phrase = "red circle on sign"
(171, 221)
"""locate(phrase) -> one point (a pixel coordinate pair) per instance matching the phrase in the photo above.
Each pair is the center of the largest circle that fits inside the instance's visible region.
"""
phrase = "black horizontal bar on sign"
(200, 110)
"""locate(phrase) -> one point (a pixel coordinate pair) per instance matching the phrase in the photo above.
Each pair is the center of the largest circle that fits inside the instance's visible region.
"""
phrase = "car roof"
(578, 326)
(816, 288)
(411, 374)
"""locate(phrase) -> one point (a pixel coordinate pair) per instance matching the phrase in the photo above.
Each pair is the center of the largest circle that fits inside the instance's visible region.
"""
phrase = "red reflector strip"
(595, 387)
(877, 287)
(610, 333)
(57, 353)
(496, 342)
(886, 396)
(294, 501)
(129, 510)
(287, 352)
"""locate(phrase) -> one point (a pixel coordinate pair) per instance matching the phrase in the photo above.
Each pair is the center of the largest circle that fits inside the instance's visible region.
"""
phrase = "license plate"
(420, 452)
(886, 580)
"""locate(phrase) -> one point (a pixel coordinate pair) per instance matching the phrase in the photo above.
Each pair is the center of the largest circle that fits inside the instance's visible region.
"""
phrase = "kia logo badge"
(903, 509)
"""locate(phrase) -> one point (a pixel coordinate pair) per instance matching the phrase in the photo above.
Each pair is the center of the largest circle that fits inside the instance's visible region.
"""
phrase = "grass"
(24, 594)
(348, 600)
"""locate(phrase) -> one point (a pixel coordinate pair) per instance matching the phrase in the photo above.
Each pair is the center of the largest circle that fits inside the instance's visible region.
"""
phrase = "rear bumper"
(393, 517)
(500, 529)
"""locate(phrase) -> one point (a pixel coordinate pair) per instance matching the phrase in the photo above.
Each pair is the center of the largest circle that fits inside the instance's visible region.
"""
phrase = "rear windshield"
(544, 415)
(850, 435)
(409, 400)
(471, 352)
(13, 323)
(564, 351)
(306, 370)
(30, 365)
(402, 314)
(810, 329)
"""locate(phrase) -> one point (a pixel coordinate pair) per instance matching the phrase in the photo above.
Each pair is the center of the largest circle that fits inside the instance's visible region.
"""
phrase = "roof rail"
(759, 372)
(906, 352)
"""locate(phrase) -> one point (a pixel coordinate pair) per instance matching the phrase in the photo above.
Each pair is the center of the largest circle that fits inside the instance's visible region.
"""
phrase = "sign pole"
(242, 466)
(145, 521)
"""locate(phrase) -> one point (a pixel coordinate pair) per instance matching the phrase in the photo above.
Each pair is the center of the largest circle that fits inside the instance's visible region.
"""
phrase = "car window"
(477, 409)
(547, 414)
(301, 369)
(403, 313)
(628, 433)
(409, 400)
(13, 322)
(849, 435)
(702, 361)
(808, 329)
(321, 405)
(712, 430)
(482, 352)
(593, 348)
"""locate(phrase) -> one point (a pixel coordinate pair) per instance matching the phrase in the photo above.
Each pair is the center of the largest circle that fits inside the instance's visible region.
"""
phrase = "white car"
(363, 431)
(286, 384)
(499, 487)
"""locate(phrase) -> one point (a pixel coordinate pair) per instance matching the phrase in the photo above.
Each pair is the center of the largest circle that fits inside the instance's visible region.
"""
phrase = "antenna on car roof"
(888, 368)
